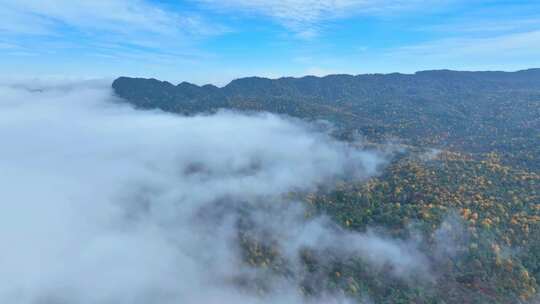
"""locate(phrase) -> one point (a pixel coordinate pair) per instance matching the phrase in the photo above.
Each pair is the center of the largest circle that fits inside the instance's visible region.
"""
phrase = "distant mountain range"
(475, 112)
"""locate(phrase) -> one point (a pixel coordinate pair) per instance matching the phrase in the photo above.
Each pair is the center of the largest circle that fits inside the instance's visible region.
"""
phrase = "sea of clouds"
(102, 203)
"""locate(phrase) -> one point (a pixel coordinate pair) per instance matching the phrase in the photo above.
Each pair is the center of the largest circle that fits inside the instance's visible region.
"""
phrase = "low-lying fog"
(102, 203)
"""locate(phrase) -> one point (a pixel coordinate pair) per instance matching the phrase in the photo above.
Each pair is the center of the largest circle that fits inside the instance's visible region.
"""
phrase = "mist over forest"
(122, 204)
(269, 152)
(128, 206)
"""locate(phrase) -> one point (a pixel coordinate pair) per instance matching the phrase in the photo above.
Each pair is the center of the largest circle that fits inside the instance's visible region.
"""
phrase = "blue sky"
(214, 41)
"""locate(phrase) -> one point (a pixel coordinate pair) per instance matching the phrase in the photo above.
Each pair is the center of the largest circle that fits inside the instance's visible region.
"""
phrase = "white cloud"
(500, 26)
(506, 49)
(506, 52)
(304, 15)
(130, 28)
(7, 46)
(116, 15)
(16, 22)
(105, 204)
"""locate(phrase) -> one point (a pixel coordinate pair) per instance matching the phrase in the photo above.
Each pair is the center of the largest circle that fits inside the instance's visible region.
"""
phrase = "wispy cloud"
(517, 44)
(485, 26)
(506, 51)
(304, 16)
(90, 23)
(218, 40)
(6, 46)
(118, 16)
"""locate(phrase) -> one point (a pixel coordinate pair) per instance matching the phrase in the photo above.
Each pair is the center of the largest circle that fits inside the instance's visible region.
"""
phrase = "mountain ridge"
(422, 72)
(476, 112)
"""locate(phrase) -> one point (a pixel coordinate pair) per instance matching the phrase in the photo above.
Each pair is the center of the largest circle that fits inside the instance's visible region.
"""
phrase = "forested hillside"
(467, 169)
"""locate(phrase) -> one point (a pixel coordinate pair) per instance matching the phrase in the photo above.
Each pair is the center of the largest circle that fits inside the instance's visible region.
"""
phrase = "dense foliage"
(494, 214)
(473, 204)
